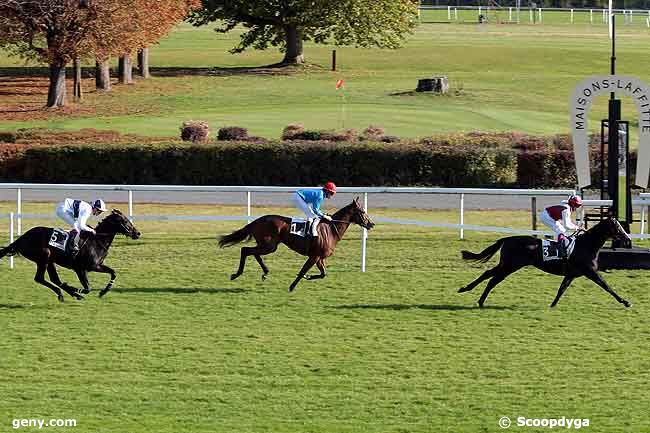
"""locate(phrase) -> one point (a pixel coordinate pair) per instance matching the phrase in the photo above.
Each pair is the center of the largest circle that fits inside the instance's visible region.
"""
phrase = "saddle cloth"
(550, 249)
(302, 227)
(58, 239)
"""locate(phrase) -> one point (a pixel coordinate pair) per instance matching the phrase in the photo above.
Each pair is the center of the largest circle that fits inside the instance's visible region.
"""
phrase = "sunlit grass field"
(178, 347)
(502, 77)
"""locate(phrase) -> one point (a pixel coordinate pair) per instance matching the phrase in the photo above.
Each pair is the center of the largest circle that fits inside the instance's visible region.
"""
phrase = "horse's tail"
(484, 255)
(243, 234)
(9, 250)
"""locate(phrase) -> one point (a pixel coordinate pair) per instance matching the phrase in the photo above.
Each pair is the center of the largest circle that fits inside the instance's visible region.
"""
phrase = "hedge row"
(295, 163)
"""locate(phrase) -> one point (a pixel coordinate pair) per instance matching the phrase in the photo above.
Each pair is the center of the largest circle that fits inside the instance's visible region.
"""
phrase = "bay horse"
(520, 251)
(34, 245)
(271, 230)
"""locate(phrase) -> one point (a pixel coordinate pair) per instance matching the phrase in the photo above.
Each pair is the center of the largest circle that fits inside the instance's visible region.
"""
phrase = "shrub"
(373, 133)
(291, 130)
(195, 131)
(232, 133)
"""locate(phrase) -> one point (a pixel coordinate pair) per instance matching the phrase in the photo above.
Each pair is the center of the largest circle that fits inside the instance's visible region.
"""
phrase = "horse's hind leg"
(262, 250)
(500, 275)
(245, 252)
(487, 274)
(41, 266)
(54, 277)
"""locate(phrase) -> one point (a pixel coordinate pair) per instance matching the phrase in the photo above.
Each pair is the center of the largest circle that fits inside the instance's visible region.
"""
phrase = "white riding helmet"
(99, 205)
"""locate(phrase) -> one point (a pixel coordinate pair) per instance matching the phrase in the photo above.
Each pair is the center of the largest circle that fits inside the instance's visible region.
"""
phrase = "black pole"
(613, 58)
(333, 60)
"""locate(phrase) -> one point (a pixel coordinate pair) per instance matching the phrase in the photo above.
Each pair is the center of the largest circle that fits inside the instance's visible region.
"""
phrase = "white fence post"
(364, 235)
(591, 16)
(462, 216)
(644, 210)
(540, 15)
(571, 16)
(131, 205)
(11, 237)
(19, 210)
(248, 207)
(449, 13)
(456, 14)
(510, 14)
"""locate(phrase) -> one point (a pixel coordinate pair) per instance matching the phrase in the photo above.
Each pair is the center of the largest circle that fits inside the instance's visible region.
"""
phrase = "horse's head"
(117, 222)
(615, 230)
(359, 215)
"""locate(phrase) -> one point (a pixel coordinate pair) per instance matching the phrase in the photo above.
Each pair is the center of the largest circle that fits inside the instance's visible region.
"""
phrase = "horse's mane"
(343, 211)
(109, 219)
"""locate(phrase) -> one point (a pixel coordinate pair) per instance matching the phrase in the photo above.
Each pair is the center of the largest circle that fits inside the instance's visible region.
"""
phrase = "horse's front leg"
(593, 276)
(83, 279)
(321, 266)
(308, 264)
(103, 269)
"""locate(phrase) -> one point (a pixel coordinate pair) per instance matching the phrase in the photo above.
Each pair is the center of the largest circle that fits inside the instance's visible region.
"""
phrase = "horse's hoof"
(627, 304)
(462, 289)
(233, 276)
(102, 293)
(264, 277)
(480, 305)
(291, 287)
(85, 291)
(61, 299)
(78, 297)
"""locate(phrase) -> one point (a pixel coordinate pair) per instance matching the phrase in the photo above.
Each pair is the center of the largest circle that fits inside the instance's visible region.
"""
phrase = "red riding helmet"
(575, 201)
(329, 186)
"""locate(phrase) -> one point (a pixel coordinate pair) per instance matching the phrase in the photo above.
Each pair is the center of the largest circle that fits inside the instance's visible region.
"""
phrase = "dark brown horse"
(271, 230)
(520, 251)
(34, 245)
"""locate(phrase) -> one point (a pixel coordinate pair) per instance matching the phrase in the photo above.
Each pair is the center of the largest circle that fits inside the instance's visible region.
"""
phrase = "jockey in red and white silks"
(558, 218)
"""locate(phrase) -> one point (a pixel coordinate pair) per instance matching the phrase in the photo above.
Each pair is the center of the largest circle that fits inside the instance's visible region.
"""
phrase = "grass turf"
(177, 347)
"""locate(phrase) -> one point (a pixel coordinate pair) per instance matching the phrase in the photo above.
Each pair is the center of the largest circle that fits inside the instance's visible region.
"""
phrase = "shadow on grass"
(436, 307)
(179, 290)
(18, 306)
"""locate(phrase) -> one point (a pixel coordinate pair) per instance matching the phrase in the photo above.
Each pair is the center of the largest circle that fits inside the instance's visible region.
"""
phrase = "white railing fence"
(249, 191)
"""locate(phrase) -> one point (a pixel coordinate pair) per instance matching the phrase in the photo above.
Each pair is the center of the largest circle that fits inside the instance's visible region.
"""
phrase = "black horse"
(34, 245)
(520, 251)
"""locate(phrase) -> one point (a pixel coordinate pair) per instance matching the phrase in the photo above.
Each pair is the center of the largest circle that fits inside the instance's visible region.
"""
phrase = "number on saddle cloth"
(551, 249)
(59, 239)
(299, 227)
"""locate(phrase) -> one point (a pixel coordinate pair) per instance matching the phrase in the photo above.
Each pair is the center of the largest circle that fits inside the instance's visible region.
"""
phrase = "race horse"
(271, 230)
(35, 246)
(520, 251)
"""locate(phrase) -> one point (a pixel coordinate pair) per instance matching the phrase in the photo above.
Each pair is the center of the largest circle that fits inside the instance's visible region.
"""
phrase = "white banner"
(580, 103)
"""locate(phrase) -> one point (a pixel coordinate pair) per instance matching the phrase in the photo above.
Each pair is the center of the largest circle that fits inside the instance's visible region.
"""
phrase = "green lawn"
(503, 77)
(177, 347)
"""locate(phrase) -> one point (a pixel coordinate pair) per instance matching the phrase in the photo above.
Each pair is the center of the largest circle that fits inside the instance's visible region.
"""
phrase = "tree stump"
(436, 84)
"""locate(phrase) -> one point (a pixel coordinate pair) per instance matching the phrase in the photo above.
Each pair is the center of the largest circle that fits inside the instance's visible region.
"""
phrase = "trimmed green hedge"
(455, 160)
(278, 163)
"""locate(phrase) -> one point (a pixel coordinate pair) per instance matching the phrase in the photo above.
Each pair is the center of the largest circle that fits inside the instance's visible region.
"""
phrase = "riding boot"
(73, 243)
(314, 227)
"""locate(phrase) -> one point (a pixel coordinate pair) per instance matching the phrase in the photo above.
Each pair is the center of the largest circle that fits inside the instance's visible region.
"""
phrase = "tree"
(50, 31)
(288, 23)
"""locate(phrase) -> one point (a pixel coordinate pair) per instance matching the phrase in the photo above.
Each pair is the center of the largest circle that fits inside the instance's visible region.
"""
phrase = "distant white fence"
(250, 190)
(536, 15)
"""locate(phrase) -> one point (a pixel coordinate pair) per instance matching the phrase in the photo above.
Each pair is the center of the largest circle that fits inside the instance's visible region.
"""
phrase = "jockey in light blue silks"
(310, 200)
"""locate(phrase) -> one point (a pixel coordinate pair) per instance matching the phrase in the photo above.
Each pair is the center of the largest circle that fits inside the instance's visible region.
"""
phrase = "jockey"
(558, 218)
(76, 214)
(309, 201)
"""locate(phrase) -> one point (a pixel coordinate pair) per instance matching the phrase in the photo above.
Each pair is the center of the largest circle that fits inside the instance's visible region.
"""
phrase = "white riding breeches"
(303, 206)
(65, 216)
(554, 225)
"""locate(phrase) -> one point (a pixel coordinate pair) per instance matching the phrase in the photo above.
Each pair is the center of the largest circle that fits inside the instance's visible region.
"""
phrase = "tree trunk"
(126, 69)
(103, 75)
(56, 92)
(143, 63)
(294, 54)
(76, 85)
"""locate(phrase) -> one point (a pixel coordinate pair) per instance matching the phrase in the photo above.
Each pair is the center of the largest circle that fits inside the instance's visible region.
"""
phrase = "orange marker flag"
(340, 84)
